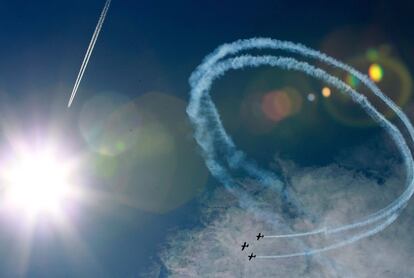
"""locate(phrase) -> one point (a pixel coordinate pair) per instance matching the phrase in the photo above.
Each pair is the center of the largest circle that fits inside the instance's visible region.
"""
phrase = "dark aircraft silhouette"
(259, 236)
(244, 245)
(251, 256)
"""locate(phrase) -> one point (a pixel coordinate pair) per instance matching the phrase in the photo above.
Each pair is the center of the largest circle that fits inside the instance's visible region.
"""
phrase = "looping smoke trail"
(224, 160)
(89, 50)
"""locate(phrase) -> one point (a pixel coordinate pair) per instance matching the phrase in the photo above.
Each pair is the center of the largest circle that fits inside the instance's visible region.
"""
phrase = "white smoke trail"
(89, 50)
(224, 159)
(343, 243)
(311, 233)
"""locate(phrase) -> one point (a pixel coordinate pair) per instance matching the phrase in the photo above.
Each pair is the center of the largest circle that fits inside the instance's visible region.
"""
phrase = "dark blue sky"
(148, 46)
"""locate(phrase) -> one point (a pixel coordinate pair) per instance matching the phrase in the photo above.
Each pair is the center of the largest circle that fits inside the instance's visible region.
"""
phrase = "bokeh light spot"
(326, 92)
(148, 161)
(120, 146)
(351, 80)
(375, 72)
(311, 97)
(372, 54)
(105, 131)
(276, 105)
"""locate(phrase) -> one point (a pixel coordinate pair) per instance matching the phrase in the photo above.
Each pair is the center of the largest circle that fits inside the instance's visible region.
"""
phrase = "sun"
(37, 183)
(41, 192)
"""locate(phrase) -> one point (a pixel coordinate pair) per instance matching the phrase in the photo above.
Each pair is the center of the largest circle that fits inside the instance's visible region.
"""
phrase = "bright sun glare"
(37, 183)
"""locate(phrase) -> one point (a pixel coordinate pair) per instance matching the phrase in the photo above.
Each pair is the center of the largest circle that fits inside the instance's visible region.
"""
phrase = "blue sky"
(157, 182)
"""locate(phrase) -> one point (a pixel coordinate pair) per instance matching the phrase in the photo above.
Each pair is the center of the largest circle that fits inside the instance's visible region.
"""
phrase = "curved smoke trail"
(89, 50)
(227, 163)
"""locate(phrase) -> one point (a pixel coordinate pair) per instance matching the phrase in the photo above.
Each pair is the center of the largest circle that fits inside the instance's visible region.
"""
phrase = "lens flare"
(375, 72)
(311, 97)
(326, 92)
(372, 54)
(388, 71)
(276, 105)
(352, 81)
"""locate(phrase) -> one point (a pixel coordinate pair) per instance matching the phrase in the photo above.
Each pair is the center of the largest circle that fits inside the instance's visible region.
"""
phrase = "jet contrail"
(89, 51)
(227, 163)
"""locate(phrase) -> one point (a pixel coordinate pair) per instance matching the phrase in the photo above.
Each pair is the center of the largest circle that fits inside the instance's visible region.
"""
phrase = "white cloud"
(333, 195)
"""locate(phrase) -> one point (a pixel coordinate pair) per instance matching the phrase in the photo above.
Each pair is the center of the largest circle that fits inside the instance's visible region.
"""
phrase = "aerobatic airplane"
(251, 256)
(244, 245)
(259, 236)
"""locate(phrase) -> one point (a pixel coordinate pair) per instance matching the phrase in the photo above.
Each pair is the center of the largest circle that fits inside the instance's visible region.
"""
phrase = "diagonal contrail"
(89, 51)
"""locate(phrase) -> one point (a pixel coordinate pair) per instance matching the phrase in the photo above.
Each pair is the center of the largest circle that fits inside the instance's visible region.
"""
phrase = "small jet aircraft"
(259, 236)
(251, 256)
(244, 246)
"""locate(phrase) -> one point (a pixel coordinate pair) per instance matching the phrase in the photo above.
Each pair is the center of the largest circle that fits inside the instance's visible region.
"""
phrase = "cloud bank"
(335, 194)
